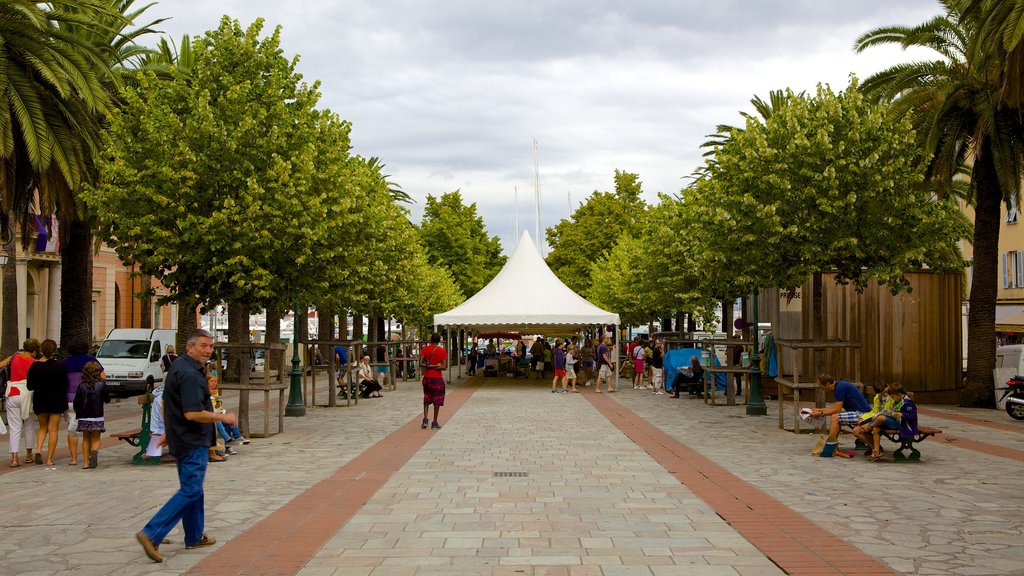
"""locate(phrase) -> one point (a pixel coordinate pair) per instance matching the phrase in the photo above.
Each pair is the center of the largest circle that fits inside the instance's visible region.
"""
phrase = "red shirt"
(433, 355)
(19, 371)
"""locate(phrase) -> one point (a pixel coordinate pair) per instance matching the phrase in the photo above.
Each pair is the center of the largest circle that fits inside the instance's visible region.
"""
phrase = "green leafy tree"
(619, 283)
(455, 237)
(206, 179)
(577, 243)
(828, 183)
(959, 106)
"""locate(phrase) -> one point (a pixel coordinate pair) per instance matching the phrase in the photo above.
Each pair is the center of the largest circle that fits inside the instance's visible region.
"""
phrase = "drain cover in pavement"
(511, 474)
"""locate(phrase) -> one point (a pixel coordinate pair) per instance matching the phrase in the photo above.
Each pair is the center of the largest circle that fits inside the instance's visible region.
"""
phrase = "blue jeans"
(187, 503)
(228, 433)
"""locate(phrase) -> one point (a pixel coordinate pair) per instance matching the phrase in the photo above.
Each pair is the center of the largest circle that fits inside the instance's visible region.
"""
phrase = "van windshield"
(123, 349)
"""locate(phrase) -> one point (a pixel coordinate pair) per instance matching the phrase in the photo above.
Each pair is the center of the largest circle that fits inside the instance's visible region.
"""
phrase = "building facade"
(114, 305)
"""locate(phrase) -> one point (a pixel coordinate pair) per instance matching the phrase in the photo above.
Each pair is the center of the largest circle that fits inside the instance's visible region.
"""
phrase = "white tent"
(527, 297)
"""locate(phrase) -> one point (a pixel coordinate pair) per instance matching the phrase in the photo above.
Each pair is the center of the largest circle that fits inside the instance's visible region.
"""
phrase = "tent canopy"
(527, 297)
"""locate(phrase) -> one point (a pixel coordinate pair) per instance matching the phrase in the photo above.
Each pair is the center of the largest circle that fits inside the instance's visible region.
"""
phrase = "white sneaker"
(242, 440)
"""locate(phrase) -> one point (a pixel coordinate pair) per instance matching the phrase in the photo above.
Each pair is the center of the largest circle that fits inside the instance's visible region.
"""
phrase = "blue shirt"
(559, 359)
(342, 353)
(851, 397)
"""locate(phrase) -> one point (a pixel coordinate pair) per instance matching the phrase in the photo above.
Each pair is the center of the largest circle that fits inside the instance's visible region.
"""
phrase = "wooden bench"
(907, 443)
(140, 437)
(129, 437)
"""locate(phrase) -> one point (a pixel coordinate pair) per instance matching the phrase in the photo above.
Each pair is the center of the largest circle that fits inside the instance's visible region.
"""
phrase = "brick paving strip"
(978, 446)
(791, 541)
(282, 542)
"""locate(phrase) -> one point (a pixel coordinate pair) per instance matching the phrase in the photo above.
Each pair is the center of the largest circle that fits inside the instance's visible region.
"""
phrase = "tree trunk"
(146, 306)
(9, 331)
(981, 316)
(357, 327)
(343, 325)
(325, 331)
(727, 305)
(186, 323)
(680, 322)
(818, 321)
(303, 332)
(372, 334)
(273, 336)
(75, 282)
(691, 323)
(238, 333)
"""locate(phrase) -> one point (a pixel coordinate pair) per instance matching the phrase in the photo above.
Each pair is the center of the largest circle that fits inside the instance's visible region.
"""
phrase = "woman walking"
(19, 401)
(49, 385)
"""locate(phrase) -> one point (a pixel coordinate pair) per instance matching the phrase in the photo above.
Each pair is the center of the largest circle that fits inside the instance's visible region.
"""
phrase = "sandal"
(874, 457)
(15, 463)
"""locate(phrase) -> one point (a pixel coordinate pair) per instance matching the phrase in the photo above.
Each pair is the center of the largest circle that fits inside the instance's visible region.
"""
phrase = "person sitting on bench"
(847, 409)
(688, 375)
(369, 388)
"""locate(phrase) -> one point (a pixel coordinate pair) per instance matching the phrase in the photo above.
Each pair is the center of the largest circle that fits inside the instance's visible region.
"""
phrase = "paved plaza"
(527, 483)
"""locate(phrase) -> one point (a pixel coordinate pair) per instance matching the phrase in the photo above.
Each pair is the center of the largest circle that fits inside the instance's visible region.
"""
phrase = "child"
(230, 435)
(900, 415)
(881, 401)
(570, 367)
(90, 396)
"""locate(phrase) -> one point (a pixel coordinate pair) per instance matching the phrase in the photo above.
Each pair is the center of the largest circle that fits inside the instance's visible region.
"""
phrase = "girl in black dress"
(49, 385)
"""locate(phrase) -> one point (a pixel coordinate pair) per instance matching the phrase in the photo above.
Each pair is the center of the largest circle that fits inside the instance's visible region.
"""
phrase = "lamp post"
(296, 406)
(756, 405)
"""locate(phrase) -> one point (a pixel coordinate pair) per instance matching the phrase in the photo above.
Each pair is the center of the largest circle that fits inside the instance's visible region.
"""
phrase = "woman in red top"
(433, 359)
(20, 418)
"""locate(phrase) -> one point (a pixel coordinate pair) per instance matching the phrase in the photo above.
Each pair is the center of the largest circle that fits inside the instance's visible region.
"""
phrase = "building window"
(1011, 211)
(1013, 269)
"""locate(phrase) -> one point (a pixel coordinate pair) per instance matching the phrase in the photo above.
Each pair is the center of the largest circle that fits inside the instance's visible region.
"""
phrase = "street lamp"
(296, 406)
(756, 405)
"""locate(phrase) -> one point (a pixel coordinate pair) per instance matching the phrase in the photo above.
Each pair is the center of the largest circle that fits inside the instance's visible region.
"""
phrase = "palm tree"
(954, 104)
(112, 35)
(1002, 27)
(51, 102)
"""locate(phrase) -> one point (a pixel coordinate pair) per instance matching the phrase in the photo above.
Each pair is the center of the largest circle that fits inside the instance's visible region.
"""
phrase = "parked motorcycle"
(1014, 396)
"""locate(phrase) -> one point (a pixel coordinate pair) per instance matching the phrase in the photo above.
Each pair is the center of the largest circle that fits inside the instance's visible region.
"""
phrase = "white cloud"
(450, 95)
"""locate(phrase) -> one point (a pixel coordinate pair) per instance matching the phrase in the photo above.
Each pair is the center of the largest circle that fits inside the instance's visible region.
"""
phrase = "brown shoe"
(149, 547)
(204, 541)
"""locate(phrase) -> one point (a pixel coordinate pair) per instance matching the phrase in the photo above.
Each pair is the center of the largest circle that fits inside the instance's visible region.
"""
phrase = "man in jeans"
(188, 431)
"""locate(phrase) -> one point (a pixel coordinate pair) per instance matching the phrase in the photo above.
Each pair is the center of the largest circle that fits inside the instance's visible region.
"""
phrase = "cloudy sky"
(452, 94)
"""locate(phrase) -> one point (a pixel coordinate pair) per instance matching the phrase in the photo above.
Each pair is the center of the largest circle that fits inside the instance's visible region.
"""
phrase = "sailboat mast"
(536, 191)
(515, 207)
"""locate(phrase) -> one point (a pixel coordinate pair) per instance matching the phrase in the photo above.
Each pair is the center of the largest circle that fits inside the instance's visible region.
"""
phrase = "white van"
(131, 359)
(1009, 363)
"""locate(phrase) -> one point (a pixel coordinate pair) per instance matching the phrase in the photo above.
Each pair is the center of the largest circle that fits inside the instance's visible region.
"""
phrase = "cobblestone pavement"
(591, 501)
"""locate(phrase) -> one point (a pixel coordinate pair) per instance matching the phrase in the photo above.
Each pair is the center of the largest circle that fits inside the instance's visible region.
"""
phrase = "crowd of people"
(43, 392)
(576, 362)
(45, 395)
